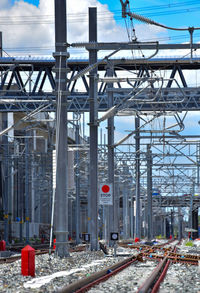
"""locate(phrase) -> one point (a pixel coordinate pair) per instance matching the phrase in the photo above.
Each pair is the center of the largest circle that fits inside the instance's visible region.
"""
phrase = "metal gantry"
(160, 159)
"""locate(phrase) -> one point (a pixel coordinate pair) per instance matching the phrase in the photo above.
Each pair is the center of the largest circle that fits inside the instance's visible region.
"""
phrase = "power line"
(102, 15)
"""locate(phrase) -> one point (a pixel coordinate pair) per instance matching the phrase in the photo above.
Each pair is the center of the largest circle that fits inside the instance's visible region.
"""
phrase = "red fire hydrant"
(28, 261)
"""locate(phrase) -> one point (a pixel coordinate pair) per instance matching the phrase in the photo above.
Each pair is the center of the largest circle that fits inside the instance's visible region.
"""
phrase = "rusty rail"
(88, 282)
(153, 282)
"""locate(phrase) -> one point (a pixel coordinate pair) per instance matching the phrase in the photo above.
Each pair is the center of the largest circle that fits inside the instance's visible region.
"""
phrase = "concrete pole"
(111, 166)
(61, 69)
(77, 185)
(137, 174)
(93, 132)
(27, 158)
(149, 193)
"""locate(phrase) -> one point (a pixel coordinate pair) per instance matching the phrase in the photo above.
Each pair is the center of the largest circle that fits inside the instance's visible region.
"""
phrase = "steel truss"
(27, 83)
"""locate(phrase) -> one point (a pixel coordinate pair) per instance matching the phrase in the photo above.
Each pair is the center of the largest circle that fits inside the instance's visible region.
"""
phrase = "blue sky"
(175, 13)
(171, 12)
(34, 2)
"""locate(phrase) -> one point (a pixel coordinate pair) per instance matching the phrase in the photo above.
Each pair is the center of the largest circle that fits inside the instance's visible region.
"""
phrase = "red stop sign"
(105, 188)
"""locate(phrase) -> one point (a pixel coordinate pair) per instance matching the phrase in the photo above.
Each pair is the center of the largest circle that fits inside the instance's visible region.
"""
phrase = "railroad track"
(88, 282)
(150, 283)
(14, 258)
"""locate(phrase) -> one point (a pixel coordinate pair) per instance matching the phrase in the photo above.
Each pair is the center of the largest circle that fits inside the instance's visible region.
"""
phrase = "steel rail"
(155, 278)
(88, 282)
(11, 259)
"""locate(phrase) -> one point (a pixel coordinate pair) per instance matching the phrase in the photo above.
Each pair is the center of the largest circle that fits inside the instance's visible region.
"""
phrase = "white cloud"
(4, 4)
(36, 24)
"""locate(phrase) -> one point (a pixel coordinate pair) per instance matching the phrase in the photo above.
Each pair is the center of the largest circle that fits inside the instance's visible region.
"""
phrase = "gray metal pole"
(180, 223)
(131, 217)
(191, 203)
(1, 45)
(165, 232)
(111, 167)
(137, 174)
(20, 199)
(116, 203)
(5, 165)
(61, 69)
(77, 186)
(172, 224)
(93, 132)
(125, 207)
(27, 218)
(149, 193)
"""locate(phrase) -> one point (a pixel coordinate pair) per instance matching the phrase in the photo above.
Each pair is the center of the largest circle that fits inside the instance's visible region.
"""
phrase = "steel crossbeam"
(175, 201)
(28, 83)
(15, 102)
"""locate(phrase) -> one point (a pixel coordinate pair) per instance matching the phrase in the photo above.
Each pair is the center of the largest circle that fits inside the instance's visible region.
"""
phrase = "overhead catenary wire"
(152, 22)
(72, 17)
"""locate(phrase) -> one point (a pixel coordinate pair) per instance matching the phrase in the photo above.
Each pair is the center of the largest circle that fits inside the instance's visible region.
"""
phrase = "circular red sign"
(105, 188)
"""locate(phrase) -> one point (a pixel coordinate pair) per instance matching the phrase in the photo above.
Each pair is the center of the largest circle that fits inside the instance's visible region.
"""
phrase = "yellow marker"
(5, 216)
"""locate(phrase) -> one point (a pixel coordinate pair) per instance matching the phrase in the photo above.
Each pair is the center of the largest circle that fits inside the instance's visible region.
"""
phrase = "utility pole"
(61, 69)
(93, 202)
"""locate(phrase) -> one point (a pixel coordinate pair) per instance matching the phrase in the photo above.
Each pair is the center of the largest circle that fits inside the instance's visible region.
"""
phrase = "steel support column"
(172, 224)
(180, 225)
(191, 204)
(131, 217)
(61, 55)
(93, 132)
(149, 193)
(116, 203)
(137, 175)
(5, 167)
(77, 210)
(27, 213)
(111, 167)
(126, 221)
(195, 223)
